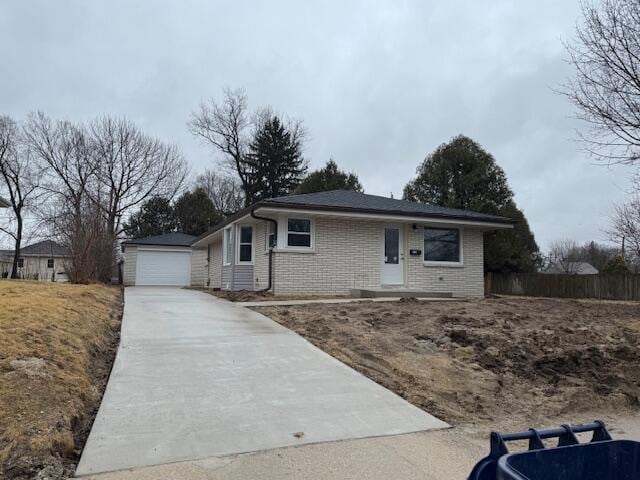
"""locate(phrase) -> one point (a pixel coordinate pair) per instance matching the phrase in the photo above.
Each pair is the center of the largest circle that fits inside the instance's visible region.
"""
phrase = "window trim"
(225, 245)
(311, 234)
(53, 263)
(438, 263)
(239, 228)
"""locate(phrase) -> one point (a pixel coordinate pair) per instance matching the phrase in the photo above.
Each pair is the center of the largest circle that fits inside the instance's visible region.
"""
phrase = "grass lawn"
(510, 363)
(57, 345)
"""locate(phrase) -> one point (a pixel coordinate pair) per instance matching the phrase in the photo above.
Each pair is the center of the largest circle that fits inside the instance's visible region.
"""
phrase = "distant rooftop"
(574, 268)
(39, 249)
(173, 239)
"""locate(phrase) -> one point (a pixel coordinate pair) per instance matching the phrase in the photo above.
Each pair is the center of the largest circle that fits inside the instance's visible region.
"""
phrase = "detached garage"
(161, 260)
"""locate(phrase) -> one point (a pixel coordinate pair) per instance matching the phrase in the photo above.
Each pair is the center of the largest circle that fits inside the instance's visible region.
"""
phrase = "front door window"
(392, 256)
(391, 245)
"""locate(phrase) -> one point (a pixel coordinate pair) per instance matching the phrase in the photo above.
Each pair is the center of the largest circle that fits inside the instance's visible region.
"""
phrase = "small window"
(299, 232)
(271, 235)
(228, 253)
(442, 245)
(50, 263)
(245, 245)
(20, 262)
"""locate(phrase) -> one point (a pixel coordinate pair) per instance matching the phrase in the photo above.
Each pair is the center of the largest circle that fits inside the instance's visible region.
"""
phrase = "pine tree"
(195, 213)
(461, 174)
(329, 178)
(155, 217)
(275, 161)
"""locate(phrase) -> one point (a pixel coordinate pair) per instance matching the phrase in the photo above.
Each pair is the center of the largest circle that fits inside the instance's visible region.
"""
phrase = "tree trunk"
(16, 252)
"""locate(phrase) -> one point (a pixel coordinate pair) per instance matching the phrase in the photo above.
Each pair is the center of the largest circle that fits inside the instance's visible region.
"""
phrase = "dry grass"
(56, 349)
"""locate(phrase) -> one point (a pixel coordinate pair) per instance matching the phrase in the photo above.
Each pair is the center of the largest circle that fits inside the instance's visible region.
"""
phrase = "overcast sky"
(378, 84)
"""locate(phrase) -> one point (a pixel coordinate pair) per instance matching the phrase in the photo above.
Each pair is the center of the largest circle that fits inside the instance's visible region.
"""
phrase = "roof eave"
(374, 211)
(490, 223)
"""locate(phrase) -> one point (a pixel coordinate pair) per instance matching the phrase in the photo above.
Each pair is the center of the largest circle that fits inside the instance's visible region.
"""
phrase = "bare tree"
(224, 191)
(229, 129)
(131, 167)
(624, 229)
(70, 212)
(20, 175)
(563, 255)
(226, 127)
(606, 90)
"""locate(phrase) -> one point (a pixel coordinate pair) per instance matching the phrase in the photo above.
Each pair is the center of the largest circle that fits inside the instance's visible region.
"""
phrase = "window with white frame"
(271, 236)
(245, 244)
(226, 246)
(299, 232)
(442, 245)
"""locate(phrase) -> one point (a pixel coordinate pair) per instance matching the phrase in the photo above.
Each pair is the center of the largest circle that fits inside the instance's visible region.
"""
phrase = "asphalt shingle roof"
(356, 202)
(173, 239)
(349, 200)
(44, 248)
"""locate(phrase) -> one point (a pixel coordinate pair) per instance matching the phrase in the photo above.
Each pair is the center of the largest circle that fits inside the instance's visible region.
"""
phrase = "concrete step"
(397, 292)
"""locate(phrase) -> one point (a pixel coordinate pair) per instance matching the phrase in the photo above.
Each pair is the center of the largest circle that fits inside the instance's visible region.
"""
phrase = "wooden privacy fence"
(606, 287)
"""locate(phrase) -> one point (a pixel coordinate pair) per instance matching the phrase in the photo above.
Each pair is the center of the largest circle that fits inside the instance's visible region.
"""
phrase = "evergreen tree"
(195, 213)
(275, 159)
(616, 265)
(461, 174)
(329, 178)
(155, 217)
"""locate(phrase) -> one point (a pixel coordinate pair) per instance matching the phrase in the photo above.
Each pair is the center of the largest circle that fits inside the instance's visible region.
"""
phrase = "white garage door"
(163, 268)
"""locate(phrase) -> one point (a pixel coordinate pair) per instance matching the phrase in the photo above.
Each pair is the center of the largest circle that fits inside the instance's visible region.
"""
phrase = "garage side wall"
(215, 264)
(129, 267)
(199, 267)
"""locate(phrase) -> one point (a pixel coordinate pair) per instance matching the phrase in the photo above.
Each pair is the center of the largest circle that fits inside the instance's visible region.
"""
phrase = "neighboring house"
(160, 260)
(46, 261)
(573, 268)
(336, 241)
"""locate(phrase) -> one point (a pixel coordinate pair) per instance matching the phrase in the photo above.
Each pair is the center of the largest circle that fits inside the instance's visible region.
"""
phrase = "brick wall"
(466, 280)
(347, 255)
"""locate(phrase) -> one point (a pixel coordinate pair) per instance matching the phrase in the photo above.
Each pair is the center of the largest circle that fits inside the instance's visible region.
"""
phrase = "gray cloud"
(378, 84)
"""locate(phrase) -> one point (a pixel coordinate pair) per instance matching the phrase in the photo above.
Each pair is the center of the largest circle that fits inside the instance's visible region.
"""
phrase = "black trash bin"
(600, 459)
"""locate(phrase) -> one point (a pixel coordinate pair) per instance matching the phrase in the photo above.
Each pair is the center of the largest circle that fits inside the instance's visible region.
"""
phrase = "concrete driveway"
(198, 377)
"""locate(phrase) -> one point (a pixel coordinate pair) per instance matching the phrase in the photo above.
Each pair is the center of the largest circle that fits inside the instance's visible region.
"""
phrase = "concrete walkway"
(197, 377)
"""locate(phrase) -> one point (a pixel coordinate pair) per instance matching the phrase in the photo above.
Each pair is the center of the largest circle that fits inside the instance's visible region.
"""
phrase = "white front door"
(392, 256)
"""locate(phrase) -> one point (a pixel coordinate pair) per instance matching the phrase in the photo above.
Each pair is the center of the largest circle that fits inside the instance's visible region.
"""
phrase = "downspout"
(275, 224)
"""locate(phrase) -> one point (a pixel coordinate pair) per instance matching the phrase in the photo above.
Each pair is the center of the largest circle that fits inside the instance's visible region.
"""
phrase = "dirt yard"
(251, 296)
(57, 345)
(505, 362)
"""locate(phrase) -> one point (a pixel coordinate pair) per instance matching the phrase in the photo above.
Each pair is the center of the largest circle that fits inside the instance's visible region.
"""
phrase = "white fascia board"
(365, 216)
